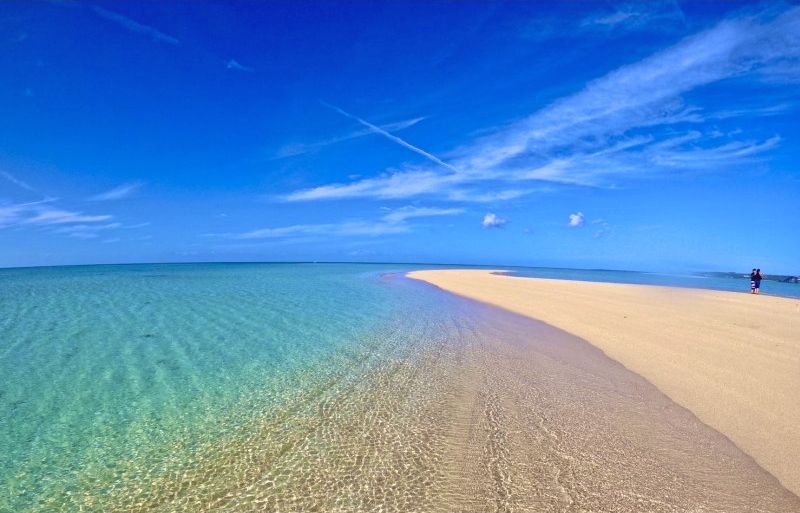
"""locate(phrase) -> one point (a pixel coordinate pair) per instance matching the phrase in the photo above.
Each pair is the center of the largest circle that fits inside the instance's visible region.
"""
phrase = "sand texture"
(731, 359)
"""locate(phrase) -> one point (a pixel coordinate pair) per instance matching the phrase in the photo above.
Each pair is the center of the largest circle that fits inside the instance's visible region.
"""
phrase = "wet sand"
(731, 359)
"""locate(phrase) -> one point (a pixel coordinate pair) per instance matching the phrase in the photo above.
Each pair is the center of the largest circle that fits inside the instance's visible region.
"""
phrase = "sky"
(644, 136)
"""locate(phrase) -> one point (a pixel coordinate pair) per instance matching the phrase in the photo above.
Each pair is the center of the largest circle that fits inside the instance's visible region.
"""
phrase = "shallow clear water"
(300, 387)
(106, 364)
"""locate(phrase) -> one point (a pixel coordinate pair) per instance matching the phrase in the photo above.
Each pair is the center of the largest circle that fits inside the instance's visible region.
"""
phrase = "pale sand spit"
(733, 359)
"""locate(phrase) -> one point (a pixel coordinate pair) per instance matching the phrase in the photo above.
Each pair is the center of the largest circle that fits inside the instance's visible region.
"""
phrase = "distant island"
(771, 277)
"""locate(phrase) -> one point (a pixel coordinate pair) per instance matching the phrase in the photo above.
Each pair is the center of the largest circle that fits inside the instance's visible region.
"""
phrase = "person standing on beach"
(753, 281)
(757, 281)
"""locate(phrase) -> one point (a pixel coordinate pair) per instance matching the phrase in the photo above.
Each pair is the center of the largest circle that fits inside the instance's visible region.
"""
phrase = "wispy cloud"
(43, 213)
(400, 215)
(348, 228)
(119, 192)
(235, 65)
(13, 214)
(754, 111)
(87, 231)
(602, 228)
(95, 230)
(137, 225)
(636, 15)
(135, 26)
(291, 150)
(476, 195)
(492, 220)
(632, 121)
(395, 221)
(47, 216)
(575, 220)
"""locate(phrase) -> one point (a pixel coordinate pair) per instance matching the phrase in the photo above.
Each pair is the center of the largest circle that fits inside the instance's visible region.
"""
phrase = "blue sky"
(654, 136)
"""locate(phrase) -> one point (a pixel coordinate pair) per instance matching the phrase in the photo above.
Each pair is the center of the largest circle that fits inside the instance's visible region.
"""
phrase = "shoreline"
(729, 358)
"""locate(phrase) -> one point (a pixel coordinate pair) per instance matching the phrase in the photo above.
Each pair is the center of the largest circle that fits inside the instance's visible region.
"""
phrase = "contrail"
(392, 137)
(16, 181)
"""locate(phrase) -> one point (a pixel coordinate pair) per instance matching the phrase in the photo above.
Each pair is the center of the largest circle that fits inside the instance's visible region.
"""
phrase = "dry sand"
(733, 359)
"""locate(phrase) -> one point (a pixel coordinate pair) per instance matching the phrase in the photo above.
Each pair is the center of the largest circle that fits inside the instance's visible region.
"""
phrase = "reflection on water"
(330, 388)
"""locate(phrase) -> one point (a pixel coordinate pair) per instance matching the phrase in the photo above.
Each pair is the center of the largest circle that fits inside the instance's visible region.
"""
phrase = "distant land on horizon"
(784, 278)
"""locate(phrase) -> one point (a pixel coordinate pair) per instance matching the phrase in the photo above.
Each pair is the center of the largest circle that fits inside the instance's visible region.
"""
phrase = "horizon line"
(290, 262)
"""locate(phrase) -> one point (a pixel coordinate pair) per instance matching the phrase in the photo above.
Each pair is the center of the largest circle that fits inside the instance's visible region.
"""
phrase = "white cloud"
(402, 214)
(47, 216)
(491, 220)
(394, 185)
(394, 221)
(119, 192)
(235, 65)
(622, 125)
(491, 196)
(575, 220)
(349, 228)
(86, 231)
(42, 213)
(135, 26)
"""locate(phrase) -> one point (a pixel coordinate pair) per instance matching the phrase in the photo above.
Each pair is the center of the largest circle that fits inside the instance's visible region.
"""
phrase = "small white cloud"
(234, 64)
(575, 220)
(118, 192)
(491, 220)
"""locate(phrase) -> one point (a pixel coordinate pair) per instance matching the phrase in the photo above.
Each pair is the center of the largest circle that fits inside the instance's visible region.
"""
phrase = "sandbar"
(732, 359)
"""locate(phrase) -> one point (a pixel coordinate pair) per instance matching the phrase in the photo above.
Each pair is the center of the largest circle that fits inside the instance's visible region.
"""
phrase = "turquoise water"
(696, 280)
(104, 366)
(299, 387)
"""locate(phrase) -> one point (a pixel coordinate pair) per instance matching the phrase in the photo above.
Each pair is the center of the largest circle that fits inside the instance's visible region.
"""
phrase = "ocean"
(285, 387)
(686, 280)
